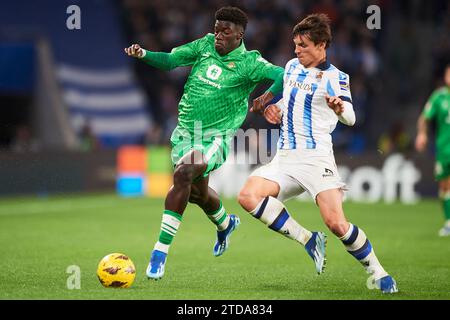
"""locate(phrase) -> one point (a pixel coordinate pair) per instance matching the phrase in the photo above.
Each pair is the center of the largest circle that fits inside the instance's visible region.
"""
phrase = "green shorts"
(215, 149)
(441, 170)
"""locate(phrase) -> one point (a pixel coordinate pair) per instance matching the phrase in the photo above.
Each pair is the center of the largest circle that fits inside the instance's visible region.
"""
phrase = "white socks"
(273, 214)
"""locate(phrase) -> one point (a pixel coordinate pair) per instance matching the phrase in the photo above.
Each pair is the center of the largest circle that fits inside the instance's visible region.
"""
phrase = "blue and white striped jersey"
(307, 121)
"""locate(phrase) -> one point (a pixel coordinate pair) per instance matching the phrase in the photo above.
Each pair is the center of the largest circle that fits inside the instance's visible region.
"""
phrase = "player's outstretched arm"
(422, 135)
(160, 60)
(184, 55)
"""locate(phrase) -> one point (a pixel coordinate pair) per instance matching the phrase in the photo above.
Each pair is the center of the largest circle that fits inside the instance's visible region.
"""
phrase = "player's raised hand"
(335, 103)
(273, 114)
(260, 102)
(421, 142)
(135, 51)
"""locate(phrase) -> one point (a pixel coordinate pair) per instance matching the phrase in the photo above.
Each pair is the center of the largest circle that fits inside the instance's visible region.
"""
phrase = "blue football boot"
(386, 284)
(155, 269)
(223, 237)
(316, 250)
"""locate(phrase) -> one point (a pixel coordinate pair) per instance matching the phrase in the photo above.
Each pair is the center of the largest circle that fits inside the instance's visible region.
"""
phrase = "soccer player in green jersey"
(213, 106)
(438, 109)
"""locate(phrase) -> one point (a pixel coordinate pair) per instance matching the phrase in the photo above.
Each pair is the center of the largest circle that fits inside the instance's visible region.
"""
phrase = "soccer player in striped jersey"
(213, 106)
(316, 96)
(437, 108)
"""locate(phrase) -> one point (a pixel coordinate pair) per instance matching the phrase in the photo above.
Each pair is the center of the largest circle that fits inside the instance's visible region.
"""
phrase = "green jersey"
(217, 90)
(438, 109)
(215, 98)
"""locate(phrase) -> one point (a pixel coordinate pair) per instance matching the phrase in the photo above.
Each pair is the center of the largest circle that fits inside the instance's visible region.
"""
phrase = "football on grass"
(116, 270)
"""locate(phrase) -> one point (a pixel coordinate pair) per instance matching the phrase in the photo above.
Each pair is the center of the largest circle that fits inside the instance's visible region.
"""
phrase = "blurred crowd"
(391, 74)
(393, 70)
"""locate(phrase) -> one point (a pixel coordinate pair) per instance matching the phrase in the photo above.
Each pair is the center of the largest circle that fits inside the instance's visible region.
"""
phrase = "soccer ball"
(116, 270)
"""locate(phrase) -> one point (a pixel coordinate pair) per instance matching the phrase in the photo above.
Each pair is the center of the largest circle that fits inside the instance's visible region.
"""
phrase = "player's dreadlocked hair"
(232, 14)
(316, 27)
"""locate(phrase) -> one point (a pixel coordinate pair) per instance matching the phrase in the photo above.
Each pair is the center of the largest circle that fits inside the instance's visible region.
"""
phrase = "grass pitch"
(41, 237)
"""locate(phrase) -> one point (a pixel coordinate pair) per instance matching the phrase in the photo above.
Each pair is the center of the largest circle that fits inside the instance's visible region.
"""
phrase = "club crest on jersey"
(231, 65)
(213, 72)
(319, 76)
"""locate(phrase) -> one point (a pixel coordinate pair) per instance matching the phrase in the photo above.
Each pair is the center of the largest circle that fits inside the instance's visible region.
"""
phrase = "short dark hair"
(316, 27)
(232, 14)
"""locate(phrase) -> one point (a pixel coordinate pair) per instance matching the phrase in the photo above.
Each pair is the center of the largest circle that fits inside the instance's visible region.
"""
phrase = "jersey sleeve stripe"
(344, 98)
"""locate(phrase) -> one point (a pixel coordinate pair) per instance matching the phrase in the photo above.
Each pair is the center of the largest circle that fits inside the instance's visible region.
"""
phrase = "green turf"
(40, 238)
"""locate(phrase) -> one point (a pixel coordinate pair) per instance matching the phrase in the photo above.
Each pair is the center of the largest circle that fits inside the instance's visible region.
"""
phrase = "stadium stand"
(93, 77)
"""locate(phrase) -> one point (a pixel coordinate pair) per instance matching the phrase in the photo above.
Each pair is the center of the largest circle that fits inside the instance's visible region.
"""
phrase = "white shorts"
(297, 171)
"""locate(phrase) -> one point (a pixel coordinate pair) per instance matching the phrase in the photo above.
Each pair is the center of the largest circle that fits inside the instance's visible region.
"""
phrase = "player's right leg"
(444, 192)
(191, 166)
(258, 197)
